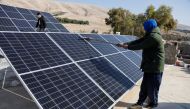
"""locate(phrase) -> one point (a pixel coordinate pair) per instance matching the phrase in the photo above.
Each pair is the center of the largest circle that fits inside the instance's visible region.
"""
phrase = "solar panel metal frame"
(121, 53)
(115, 50)
(17, 74)
(94, 58)
(26, 87)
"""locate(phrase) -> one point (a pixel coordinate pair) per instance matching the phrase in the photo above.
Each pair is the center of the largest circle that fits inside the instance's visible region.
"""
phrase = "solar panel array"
(19, 19)
(61, 71)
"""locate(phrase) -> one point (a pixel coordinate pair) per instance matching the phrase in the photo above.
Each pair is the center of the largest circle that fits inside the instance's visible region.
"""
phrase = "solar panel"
(125, 65)
(8, 8)
(122, 38)
(28, 17)
(31, 51)
(133, 57)
(76, 48)
(66, 87)
(2, 14)
(103, 48)
(7, 25)
(107, 76)
(15, 15)
(111, 38)
(22, 25)
(23, 11)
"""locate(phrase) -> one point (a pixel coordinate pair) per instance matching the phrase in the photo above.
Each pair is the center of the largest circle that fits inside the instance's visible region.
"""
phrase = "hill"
(183, 27)
(94, 14)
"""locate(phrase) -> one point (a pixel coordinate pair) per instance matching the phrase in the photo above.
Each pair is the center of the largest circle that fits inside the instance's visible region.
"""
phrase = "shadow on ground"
(162, 105)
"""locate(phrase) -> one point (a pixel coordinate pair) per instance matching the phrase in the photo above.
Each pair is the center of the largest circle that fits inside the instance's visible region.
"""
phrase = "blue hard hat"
(149, 25)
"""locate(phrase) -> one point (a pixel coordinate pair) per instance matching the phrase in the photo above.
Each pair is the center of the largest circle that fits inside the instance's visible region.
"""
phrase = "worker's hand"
(36, 29)
(122, 45)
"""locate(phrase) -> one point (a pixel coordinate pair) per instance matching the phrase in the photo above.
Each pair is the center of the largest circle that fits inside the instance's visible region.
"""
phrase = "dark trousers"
(150, 88)
(41, 29)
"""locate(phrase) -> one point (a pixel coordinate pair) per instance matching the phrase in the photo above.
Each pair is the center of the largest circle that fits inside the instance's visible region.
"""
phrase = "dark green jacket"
(153, 55)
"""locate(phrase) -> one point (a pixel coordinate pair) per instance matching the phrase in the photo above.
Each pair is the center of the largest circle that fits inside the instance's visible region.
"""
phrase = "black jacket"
(41, 23)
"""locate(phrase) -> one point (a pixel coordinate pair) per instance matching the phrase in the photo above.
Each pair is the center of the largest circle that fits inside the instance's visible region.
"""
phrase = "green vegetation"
(73, 21)
(122, 20)
(94, 31)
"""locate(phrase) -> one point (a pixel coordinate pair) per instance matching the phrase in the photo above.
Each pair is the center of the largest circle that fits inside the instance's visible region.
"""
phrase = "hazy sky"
(181, 8)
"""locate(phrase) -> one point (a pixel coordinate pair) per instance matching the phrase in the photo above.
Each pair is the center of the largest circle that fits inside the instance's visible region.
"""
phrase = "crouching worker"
(152, 64)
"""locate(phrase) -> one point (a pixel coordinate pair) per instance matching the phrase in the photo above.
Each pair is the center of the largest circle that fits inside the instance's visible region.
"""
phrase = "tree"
(125, 22)
(120, 20)
(150, 12)
(164, 17)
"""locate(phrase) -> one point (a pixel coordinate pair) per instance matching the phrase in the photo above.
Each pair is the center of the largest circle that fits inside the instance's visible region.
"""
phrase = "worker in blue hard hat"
(152, 64)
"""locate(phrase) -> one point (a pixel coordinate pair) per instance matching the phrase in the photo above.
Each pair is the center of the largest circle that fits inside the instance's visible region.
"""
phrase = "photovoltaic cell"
(66, 87)
(107, 76)
(29, 17)
(111, 38)
(15, 15)
(78, 49)
(24, 11)
(8, 8)
(125, 65)
(2, 14)
(21, 23)
(104, 48)
(7, 25)
(123, 39)
(31, 51)
(133, 57)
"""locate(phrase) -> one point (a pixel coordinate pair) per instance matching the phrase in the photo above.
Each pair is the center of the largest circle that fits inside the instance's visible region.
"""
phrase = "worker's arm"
(146, 43)
(134, 42)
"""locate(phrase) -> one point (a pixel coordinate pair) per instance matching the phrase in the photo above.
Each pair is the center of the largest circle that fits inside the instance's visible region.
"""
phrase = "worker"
(152, 64)
(41, 23)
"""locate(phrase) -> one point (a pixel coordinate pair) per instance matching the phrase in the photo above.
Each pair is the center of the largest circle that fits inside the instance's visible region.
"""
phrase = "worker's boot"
(135, 106)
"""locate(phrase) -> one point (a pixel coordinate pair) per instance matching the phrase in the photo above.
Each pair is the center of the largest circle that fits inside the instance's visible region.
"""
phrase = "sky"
(180, 8)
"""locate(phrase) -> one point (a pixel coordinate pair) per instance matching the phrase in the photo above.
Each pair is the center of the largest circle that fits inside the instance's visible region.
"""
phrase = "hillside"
(95, 15)
(183, 27)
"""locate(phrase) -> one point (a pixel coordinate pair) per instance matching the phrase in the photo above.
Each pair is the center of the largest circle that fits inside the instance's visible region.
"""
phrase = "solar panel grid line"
(103, 48)
(45, 68)
(78, 65)
(140, 56)
(116, 41)
(78, 49)
(131, 60)
(40, 86)
(16, 18)
(15, 52)
(131, 71)
(30, 16)
(10, 19)
(114, 66)
(25, 86)
(116, 36)
(119, 70)
(47, 53)
(24, 17)
(115, 86)
(72, 74)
